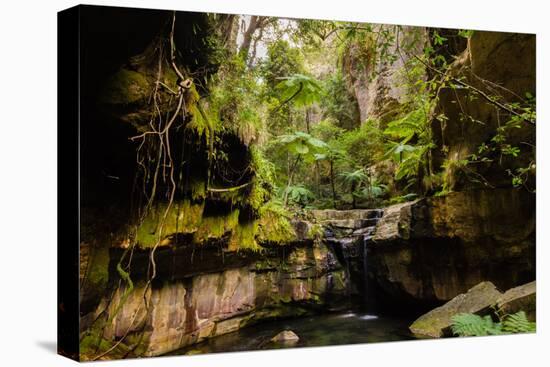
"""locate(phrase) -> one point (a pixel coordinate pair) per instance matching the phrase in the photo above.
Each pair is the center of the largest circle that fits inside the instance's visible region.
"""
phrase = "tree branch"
(478, 91)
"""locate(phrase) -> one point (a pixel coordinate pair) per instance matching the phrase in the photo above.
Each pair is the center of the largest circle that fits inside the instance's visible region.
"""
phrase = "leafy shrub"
(299, 195)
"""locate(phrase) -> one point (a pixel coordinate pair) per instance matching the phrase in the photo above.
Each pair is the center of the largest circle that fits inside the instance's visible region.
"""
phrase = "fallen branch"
(230, 189)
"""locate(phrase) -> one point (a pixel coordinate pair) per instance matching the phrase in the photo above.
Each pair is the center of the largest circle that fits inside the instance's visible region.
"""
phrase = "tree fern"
(299, 195)
(303, 90)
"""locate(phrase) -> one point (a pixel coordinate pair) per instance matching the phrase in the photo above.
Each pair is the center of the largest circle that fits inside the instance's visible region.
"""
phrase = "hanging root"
(156, 138)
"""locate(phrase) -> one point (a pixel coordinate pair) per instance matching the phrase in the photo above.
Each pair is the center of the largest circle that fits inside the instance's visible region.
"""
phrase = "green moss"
(190, 216)
(92, 346)
(266, 264)
(124, 87)
(235, 196)
(198, 189)
(315, 231)
(263, 183)
(170, 78)
(244, 237)
(98, 271)
(183, 217)
(339, 280)
(214, 227)
(274, 225)
(202, 123)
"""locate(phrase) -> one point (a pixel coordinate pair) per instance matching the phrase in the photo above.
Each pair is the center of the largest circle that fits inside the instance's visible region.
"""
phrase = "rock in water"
(287, 336)
(437, 322)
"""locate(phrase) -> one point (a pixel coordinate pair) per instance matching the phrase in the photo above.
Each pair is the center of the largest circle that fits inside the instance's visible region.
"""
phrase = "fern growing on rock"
(467, 324)
(518, 323)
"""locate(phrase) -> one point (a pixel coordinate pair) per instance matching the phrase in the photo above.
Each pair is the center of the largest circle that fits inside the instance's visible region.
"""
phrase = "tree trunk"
(318, 178)
(252, 57)
(247, 37)
(291, 171)
(308, 121)
(353, 203)
(332, 184)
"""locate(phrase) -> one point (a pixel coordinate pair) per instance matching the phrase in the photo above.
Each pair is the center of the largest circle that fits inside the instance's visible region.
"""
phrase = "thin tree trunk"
(292, 169)
(308, 127)
(353, 202)
(332, 184)
(318, 178)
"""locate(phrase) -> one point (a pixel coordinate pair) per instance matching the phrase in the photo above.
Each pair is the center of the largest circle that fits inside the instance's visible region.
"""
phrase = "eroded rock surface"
(481, 65)
(430, 250)
(187, 308)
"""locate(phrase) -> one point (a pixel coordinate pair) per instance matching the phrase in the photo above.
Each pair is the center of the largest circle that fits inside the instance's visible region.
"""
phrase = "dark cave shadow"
(48, 345)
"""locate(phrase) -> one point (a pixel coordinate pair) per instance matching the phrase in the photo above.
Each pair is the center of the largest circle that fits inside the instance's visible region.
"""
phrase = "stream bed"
(313, 331)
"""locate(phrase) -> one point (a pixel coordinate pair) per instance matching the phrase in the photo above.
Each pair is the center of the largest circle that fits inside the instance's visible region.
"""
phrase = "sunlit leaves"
(301, 89)
(298, 194)
(300, 143)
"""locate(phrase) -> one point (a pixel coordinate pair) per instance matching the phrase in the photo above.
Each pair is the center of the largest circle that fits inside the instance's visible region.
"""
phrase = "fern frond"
(518, 323)
(466, 324)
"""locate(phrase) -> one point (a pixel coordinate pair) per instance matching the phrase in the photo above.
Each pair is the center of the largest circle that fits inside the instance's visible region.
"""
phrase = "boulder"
(522, 298)
(287, 336)
(395, 222)
(437, 322)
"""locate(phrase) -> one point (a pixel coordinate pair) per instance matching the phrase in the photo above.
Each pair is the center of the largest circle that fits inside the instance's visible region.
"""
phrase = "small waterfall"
(349, 233)
(368, 291)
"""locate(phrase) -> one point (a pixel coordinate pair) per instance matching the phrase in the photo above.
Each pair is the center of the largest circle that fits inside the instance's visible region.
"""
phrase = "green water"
(313, 331)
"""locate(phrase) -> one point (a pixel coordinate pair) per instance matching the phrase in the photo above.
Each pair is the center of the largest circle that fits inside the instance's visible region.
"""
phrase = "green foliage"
(282, 60)
(518, 323)
(125, 87)
(302, 144)
(338, 104)
(373, 191)
(414, 126)
(327, 130)
(354, 177)
(466, 33)
(403, 198)
(274, 224)
(264, 179)
(299, 195)
(236, 101)
(500, 147)
(363, 146)
(301, 89)
(466, 324)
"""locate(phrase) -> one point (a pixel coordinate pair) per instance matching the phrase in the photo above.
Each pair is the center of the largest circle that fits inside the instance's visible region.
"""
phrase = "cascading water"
(349, 232)
(368, 291)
